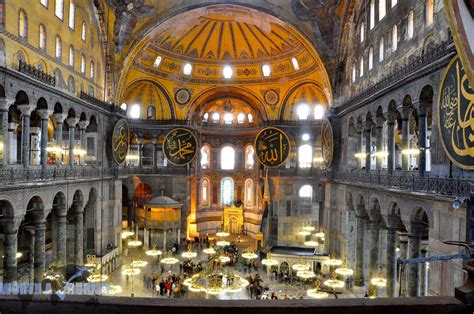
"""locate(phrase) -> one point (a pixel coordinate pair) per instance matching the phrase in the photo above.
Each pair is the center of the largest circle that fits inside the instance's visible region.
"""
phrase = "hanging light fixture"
(304, 233)
(309, 228)
(189, 253)
(153, 252)
(301, 265)
(222, 243)
(114, 289)
(305, 274)
(126, 234)
(138, 263)
(344, 270)
(311, 243)
(319, 234)
(209, 251)
(269, 261)
(334, 283)
(222, 234)
(316, 293)
(97, 277)
(333, 261)
(169, 260)
(134, 243)
(224, 259)
(249, 254)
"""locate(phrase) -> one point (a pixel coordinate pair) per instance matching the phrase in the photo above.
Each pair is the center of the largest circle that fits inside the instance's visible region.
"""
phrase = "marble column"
(391, 142)
(359, 279)
(26, 110)
(413, 270)
(405, 134)
(5, 104)
(31, 255)
(368, 144)
(71, 122)
(155, 156)
(392, 226)
(10, 247)
(40, 238)
(82, 139)
(129, 214)
(61, 253)
(422, 133)
(360, 139)
(44, 115)
(379, 142)
(140, 151)
(403, 242)
(374, 249)
(78, 236)
(58, 134)
(424, 271)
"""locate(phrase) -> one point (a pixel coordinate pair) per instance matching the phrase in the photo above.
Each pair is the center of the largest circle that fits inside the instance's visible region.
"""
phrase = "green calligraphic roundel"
(456, 115)
(327, 142)
(272, 147)
(180, 146)
(120, 141)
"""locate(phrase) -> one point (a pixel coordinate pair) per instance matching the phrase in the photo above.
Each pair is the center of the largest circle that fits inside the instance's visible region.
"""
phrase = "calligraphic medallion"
(120, 141)
(456, 115)
(272, 147)
(180, 146)
(327, 142)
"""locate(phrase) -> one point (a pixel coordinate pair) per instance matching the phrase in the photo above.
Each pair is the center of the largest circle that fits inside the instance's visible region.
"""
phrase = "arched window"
(228, 117)
(361, 73)
(135, 111)
(394, 37)
(410, 30)
(240, 118)
(150, 112)
(382, 9)
(59, 8)
(302, 111)
(372, 14)
(83, 64)
(305, 156)
(205, 157)
(71, 85)
(205, 192)
(249, 157)
(42, 37)
(205, 117)
(429, 12)
(371, 58)
(72, 14)
(353, 73)
(44, 3)
(318, 112)
(381, 49)
(227, 158)
(22, 24)
(216, 117)
(227, 191)
(92, 70)
(306, 191)
(157, 62)
(362, 32)
(59, 48)
(250, 117)
(71, 56)
(84, 31)
(249, 195)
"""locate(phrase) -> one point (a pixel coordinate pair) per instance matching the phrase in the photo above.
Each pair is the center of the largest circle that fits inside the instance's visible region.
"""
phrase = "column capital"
(26, 109)
(6, 103)
(71, 121)
(83, 124)
(406, 111)
(11, 225)
(391, 117)
(420, 107)
(415, 229)
(379, 121)
(393, 221)
(59, 117)
(368, 124)
(44, 113)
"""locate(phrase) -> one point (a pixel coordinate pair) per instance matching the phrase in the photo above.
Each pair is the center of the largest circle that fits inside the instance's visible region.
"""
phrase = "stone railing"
(297, 172)
(410, 182)
(100, 103)
(153, 171)
(36, 73)
(16, 176)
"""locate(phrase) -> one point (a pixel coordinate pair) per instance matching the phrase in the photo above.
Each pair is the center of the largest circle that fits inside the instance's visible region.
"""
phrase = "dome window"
(305, 137)
(205, 117)
(302, 112)
(227, 72)
(215, 117)
(157, 62)
(240, 118)
(250, 117)
(123, 106)
(135, 111)
(266, 70)
(187, 69)
(318, 112)
(228, 117)
(296, 65)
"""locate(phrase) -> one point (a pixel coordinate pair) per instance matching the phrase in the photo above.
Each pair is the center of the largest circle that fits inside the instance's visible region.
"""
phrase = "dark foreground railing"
(15, 176)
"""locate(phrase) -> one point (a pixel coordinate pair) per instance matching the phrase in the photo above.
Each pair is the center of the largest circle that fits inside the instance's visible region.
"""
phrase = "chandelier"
(138, 263)
(153, 252)
(316, 293)
(301, 265)
(222, 234)
(334, 283)
(134, 243)
(126, 234)
(222, 243)
(189, 253)
(311, 243)
(333, 261)
(269, 261)
(249, 254)
(305, 274)
(344, 270)
(209, 251)
(309, 228)
(96, 277)
(169, 260)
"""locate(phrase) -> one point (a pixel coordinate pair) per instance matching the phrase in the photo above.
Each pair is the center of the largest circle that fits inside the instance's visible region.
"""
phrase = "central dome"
(231, 33)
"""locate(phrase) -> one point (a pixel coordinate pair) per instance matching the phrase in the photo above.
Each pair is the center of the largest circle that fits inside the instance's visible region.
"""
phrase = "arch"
(92, 126)
(249, 157)
(71, 85)
(71, 113)
(306, 92)
(249, 197)
(35, 205)
(59, 204)
(58, 47)
(306, 191)
(227, 158)
(42, 36)
(305, 156)
(6, 209)
(205, 192)
(22, 98)
(41, 103)
(22, 24)
(227, 191)
(2, 91)
(349, 201)
(78, 200)
(205, 156)
(360, 208)
(58, 108)
(89, 222)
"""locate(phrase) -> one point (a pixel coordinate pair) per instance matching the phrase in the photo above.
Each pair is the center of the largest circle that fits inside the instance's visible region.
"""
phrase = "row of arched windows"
(227, 192)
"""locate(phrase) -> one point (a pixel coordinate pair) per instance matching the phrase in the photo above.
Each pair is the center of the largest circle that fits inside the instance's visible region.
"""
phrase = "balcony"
(183, 171)
(36, 175)
(407, 181)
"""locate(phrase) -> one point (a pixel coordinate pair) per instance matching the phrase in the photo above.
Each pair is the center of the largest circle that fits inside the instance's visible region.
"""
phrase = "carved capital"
(59, 117)
(44, 114)
(6, 103)
(72, 122)
(26, 109)
(83, 124)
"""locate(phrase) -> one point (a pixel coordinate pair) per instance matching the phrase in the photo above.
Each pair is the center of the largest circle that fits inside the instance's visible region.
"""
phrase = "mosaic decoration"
(182, 96)
(456, 115)
(120, 141)
(327, 139)
(271, 97)
(272, 147)
(180, 146)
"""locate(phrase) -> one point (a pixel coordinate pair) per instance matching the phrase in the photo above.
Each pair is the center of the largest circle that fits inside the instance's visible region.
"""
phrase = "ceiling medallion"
(271, 97)
(182, 96)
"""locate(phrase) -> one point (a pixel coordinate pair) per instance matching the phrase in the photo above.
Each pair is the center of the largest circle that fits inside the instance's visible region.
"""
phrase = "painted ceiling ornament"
(327, 139)
(322, 14)
(120, 141)
(456, 115)
(180, 146)
(127, 14)
(182, 96)
(271, 96)
(272, 147)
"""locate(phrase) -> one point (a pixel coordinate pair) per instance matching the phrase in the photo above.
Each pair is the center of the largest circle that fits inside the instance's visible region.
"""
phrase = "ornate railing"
(100, 103)
(153, 170)
(16, 176)
(298, 123)
(410, 182)
(36, 73)
(297, 172)
(426, 58)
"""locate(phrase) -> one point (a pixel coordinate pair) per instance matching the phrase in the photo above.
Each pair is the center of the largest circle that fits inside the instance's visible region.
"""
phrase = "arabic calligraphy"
(327, 148)
(180, 146)
(456, 115)
(120, 141)
(272, 147)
